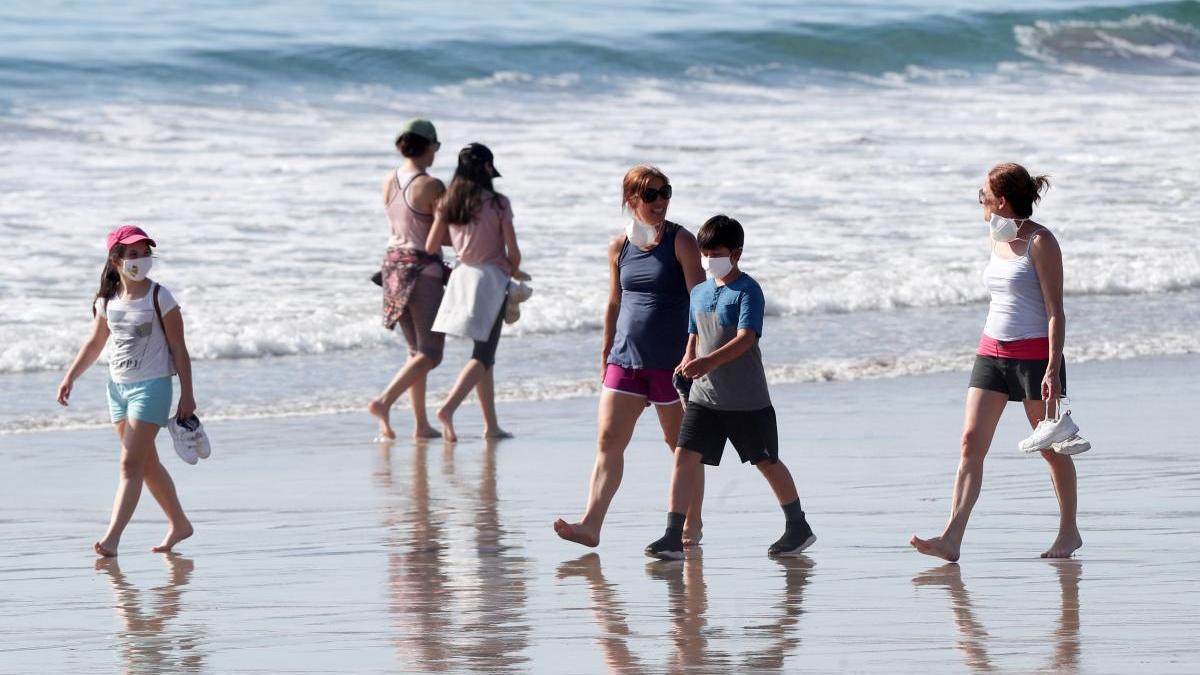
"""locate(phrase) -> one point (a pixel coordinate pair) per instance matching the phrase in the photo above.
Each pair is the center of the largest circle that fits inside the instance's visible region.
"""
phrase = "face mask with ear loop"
(717, 267)
(136, 269)
(1003, 230)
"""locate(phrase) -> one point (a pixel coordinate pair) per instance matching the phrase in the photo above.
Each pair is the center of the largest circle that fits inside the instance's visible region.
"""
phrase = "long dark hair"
(110, 278)
(471, 179)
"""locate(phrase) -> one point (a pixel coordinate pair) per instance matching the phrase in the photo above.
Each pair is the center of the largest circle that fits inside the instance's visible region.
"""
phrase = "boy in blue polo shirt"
(728, 398)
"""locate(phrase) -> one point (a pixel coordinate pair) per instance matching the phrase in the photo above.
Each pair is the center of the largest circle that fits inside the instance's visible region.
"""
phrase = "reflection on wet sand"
(152, 641)
(608, 612)
(783, 634)
(972, 635)
(475, 619)
(768, 643)
(687, 601)
(1066, 652)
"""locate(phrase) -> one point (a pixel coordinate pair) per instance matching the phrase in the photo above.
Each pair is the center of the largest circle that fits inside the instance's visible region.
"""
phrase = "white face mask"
(136, 269)
(717, 268)
(1004, 230)
(640, 234)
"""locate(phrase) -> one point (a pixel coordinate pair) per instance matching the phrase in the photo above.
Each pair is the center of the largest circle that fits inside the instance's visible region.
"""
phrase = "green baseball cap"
(421, 127)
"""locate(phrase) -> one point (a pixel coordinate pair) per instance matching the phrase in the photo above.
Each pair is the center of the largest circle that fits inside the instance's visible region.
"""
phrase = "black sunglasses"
(982, 197)
(651, 195)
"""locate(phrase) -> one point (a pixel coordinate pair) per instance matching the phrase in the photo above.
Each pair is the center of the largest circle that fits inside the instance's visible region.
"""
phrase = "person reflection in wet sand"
(687, 601)
(1066, 652)
(148, 644)
(493, 631)
(496, 627)
(609, 614)
(784, 634)
(973, 636)
(419, 588)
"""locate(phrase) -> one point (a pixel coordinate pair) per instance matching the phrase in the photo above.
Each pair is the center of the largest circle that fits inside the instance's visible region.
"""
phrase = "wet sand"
(319, 551)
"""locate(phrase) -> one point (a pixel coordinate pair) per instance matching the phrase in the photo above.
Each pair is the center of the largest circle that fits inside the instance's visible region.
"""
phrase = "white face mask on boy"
(717, 267)
(136, 269)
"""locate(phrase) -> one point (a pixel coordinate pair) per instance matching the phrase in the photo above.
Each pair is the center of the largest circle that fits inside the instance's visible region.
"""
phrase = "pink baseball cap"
(128, 234)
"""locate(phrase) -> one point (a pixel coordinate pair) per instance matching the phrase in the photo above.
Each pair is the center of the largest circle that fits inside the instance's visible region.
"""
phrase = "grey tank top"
(652, 323)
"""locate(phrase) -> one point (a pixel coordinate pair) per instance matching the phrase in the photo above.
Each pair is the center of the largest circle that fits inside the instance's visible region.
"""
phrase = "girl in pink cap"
(147, 348)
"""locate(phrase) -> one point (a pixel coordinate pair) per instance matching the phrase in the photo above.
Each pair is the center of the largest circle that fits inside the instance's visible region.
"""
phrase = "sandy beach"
(319, 551)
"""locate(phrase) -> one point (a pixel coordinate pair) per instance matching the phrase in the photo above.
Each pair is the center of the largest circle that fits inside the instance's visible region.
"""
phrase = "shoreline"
(89, 391)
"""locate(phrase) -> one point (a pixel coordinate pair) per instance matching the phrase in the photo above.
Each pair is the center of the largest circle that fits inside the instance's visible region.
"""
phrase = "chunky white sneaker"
(1072, 446)
(183, 441)
(1050, 430)
(203, 448)
(518, 292)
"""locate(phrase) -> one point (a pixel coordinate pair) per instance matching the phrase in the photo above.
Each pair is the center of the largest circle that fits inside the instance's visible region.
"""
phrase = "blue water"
(850, 139)
(92, 49)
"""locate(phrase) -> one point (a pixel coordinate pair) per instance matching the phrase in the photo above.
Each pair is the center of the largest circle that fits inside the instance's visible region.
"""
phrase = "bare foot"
(935, 547)
(1064, 546)
(692, 536)
(174, 536)
(380, 411)
(575, 533)
(447, 420)
(426, 432)
(104, 551)
(497, 434)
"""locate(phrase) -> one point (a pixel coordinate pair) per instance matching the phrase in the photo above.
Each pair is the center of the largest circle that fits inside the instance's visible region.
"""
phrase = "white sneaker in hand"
(1050, 431)
(518, 292)
(1072, 446)
(190, 440)
(181, 438)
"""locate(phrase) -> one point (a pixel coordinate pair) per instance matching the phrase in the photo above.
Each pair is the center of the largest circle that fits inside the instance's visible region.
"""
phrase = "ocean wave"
(1156, 39)
(563, 310)
(1142, 43)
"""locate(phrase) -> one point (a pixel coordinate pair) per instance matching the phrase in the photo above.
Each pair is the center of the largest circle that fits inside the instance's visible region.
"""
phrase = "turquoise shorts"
(145, 401)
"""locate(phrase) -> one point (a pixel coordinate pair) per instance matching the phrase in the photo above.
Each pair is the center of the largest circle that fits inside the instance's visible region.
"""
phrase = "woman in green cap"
(412, 279)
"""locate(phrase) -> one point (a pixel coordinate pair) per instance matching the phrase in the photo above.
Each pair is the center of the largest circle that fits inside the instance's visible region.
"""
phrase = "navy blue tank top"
(652, 324)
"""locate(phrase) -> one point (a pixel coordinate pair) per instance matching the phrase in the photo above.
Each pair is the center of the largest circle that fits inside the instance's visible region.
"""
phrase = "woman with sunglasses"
(652, 269)
(1020, 355)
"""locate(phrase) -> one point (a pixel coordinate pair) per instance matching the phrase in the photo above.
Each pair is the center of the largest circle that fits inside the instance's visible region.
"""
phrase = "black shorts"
(1021, 379)
(754, 433)
(485, 350)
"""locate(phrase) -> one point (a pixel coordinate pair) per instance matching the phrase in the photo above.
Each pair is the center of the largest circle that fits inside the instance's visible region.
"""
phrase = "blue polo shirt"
(715, 315)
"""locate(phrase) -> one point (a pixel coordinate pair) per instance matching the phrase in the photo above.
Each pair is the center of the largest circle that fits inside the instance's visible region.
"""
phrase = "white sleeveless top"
(1017, 310)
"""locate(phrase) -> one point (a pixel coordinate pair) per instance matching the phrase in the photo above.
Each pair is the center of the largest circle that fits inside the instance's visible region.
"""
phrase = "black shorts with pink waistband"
(1021, 379)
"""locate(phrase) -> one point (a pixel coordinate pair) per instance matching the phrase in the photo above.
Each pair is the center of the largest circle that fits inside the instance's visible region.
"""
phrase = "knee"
(766, 467)
(972, 447)
(431, 360)
(686, 459)
(133, 465)
(609, 442)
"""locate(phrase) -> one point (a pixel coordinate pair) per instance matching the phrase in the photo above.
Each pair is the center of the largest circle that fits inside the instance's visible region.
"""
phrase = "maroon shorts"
(652, 384)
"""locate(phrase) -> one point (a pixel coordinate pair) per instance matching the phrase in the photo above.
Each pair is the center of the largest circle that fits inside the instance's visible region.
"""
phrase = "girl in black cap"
(477, 222)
